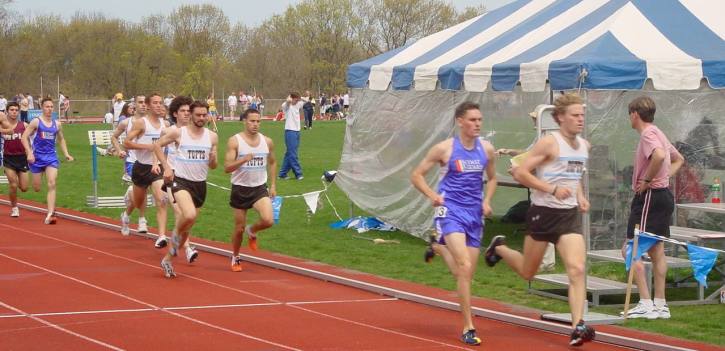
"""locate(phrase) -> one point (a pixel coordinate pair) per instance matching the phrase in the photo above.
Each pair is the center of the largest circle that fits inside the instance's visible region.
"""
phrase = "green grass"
(309, 237)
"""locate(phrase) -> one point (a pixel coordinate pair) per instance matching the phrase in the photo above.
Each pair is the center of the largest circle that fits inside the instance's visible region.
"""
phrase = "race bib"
(441, 212)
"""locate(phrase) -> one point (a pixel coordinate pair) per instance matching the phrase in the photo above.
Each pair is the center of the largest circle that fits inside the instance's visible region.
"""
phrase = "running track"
(74, 286)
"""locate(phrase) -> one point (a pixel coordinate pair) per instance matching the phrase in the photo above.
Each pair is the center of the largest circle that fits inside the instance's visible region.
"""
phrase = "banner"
(702, 260)
(311, 200)
(643, 245)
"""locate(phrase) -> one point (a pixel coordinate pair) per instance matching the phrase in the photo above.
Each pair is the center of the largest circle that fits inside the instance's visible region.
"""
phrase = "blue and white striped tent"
(592, 44)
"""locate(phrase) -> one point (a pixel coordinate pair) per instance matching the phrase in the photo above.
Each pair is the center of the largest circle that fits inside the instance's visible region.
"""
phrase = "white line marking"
(55, 326)
(340, 301)
(381, 329)
(150, 305)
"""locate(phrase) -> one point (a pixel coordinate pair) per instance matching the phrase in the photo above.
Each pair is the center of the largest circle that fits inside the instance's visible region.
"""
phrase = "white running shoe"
(15, 212)
(125, 177)
(663, 312)
(161, 242)
(125, 221)
(142, 225)
(642, 311)
(191, 254)
(168, 268)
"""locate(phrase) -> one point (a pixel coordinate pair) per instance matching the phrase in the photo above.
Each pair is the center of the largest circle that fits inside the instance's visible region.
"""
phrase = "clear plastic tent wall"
(389, 132)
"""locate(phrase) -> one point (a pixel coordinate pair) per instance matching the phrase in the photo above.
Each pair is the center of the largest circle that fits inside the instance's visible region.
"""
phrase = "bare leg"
(465, 259)
(527, 264)
(659, 269)
(240, 221)
(266, 220)
(51, 174)
(159, 198)
(640, 277)
(572, 252)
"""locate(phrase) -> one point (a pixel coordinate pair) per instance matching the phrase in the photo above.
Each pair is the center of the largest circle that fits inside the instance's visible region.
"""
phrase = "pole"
(631, 271)
(94, 159)
(58, 95)
(41, 88)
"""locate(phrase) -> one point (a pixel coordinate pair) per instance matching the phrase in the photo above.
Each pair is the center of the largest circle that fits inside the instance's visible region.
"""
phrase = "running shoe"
(663, 312)
(429, 253)
(581, 334)
(126, 178)
(470, 338)
(642, 310)
(125, 221)
(15, 212)
(191, 254)
(161, 242)
(252, 243)
(168, 268)
(50, 219)
(142, 225)
(236, 264)
(490, 256)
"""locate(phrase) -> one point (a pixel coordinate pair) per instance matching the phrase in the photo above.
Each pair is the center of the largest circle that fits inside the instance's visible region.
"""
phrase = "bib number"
(441, 212)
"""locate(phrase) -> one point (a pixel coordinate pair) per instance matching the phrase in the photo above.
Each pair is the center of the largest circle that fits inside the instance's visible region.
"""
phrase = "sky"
(249, 12)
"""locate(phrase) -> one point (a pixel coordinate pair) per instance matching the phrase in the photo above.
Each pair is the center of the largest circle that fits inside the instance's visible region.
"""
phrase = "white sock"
(659, 302)
(646, 302)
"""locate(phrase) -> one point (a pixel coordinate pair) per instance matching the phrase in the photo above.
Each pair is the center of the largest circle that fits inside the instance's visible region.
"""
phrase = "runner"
(41, 155)
(459, 204)
(250, 159)
(196, 154)
(15, 161)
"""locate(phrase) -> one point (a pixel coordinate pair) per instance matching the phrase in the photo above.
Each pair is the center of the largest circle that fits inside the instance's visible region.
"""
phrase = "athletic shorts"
(548, 224)
(451, 219)
(43, 161)
(244, 197)
(129, 168)
(141, 175)
(18, 163)
(659, 217)
(197, 190)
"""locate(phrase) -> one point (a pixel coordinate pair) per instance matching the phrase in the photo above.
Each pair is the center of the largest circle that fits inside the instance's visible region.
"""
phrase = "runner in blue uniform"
(459, 203)
(41, 154)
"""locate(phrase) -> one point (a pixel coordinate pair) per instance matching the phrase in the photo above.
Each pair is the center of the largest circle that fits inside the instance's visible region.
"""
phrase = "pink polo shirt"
(652, 138)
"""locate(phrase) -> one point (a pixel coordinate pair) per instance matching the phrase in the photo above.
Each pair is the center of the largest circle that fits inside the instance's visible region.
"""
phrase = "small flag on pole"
(702, 259)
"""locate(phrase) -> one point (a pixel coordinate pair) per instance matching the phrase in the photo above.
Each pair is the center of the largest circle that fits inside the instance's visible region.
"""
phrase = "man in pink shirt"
(655, 161)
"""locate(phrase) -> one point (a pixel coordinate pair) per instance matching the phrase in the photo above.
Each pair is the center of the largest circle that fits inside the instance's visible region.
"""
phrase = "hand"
(168, 175)
(69, 158)
(272, 191)
(31, 158)
(247, 158)
(583, 205)
(155, 169)
(487, 210)
(500, 152)
(641, 187)
(562, 193)
(437, 200)
(121, 154)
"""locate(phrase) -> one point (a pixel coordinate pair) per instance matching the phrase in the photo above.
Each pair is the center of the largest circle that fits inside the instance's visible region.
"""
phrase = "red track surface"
(74, 286)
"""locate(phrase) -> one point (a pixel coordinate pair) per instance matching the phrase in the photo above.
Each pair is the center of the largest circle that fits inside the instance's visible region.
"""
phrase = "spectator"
(308, 108)
(3, 103)
(31, 102)
(291, 109)
(118, 105)
(232, 102)
(108, 118)
(212, 107)
(127, 111)
(23, 108)
(346, 103)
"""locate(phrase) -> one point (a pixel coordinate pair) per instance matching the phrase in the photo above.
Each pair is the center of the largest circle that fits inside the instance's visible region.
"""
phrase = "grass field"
(310, 237)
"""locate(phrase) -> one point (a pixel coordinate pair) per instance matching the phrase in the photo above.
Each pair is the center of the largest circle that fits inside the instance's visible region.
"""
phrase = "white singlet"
(564, 172)
(254, 172)
(192, 156)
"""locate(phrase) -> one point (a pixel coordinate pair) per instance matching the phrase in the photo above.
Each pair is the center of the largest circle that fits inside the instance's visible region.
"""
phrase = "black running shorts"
(18, 163)
(197, 190)
(141, 175)
(244, 197)
(659, 217)
(548, 224)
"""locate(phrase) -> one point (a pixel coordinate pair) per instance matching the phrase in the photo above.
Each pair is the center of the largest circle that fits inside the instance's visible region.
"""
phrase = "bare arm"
(5, 124)
(676, 161)
(172, 135)
(25, 139)
(120, 129)
(417, 177)
(271, 169)
(213, 162)
(231, 163)
(63, 145)
(542, 152)
(492, 182)
(137, 130)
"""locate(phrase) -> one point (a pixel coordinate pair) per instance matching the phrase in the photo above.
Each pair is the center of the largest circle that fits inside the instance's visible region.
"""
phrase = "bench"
(595, 286)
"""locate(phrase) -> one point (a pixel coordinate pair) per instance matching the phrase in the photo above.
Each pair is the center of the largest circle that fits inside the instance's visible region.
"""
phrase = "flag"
(702, 260)
(311, 200)
(276, 207)
(643, 245)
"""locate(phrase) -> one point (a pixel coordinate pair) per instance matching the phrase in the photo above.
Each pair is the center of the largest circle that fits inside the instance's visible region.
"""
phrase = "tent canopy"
(593, 44)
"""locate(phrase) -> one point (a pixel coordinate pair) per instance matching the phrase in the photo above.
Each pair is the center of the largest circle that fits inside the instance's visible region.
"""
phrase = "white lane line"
(184, 308)
(55, 326)
(381, 329)
(141, 263)
(150, 305)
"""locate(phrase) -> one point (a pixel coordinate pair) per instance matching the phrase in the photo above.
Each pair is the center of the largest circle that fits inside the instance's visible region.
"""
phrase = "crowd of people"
(171, 159)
